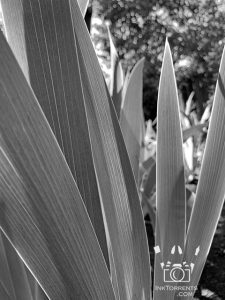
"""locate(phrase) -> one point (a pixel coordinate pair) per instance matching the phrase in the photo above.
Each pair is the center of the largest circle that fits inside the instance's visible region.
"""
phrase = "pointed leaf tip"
(170, 183)
(167, 51)
(83, 4)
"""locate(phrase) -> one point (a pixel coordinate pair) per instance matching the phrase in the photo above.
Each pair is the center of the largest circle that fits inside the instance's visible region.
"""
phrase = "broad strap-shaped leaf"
(211, 188)
(47, 36)
(119, 196)
(170, 185)
(116, 77)
(131, 118)
(41, 209)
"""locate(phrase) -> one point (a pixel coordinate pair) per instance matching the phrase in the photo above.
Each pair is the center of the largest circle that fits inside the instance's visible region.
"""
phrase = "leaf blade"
(46, 50)
(211, 188)
(116, 77)
(131, 118)
(83, 4)
(13, 272)
(129, 256)
(44, 215)
(170, 189)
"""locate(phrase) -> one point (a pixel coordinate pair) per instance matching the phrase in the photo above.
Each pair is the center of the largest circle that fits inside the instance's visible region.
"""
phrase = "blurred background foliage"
(195, 30)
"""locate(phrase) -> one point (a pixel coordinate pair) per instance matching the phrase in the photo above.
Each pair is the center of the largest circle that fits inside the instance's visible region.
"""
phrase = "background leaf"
(131, 119)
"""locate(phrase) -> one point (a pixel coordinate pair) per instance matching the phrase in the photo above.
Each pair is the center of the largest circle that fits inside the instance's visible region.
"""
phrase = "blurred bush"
(196, 34)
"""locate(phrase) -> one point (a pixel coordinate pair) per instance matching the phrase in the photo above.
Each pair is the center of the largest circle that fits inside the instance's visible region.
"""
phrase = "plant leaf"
(131, 118)
(51, 58)
(13, 275)
(148, 186)
(170, 187)
(194, 131)
(83, 4)
(116, 77)
(41, 209)
(139, 233)
(150, 181)
(211, 187)
(119, 196)
(189, 103)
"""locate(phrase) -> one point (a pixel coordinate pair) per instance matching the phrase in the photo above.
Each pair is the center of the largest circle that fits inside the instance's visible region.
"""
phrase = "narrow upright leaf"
(131, 118)
(211, 188)
(170, 188)
(116, 77)
(46, 38)
(41, 209)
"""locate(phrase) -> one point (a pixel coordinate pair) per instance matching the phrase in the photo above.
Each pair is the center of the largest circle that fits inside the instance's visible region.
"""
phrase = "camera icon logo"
(177, 272)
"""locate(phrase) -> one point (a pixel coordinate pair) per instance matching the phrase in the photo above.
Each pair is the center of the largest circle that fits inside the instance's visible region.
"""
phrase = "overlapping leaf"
(123, 214)
(127, 237)
(41, 209)
(211, 188)
(45, 48)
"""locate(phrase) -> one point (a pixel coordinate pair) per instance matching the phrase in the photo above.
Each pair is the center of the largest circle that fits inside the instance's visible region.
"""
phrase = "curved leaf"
(210, 192)
(47, 37)
(119, 195)
(41, 209)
